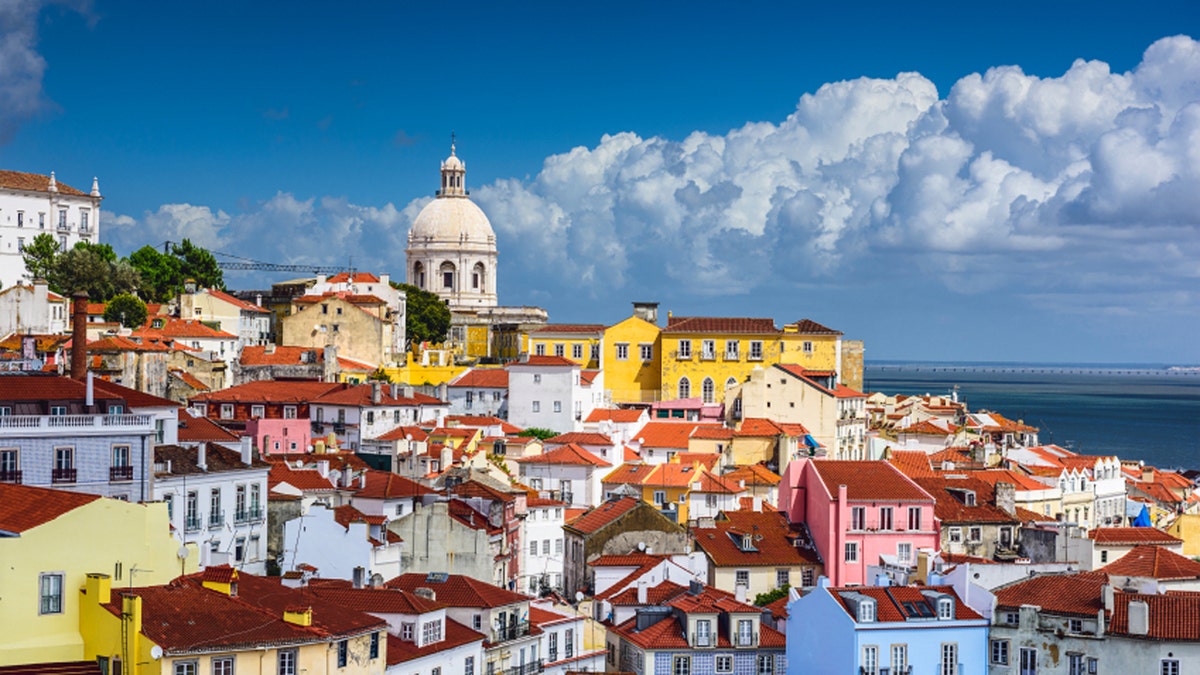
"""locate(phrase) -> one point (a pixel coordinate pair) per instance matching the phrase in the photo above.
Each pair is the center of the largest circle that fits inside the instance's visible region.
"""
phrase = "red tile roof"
(218, 459)
(1173, 616)
(912, 463)
(133, 397)
(627, 560)
(404, 433)
(950, 493)
(482, 378)
(24, 507)
(754, 474)
(1022, 481)
(1153, 562)
(387, 485)
(118, 343)
(601, 516)
(54, 668)
(1132, 535)
(178, 329)
(543, 360)
(672, 435)
(359, 278)
(774, 541)
(889, 601)
(720, 325)
(669, 634)
(455, 635)
(1070, 594)
(567, 328)
(810, 327)
(281, 355)
(614, 415)
(868, 480)
(189, 379)
(580, 438)
(34, 182)
(565, 454)
(198, 429)
(628, 474)
(459, 591)
(707, 460)
(758, 426)
(360, 395)
(712, 432)
(800, 372)
(236, 301)
(305, 480)
(269, 391)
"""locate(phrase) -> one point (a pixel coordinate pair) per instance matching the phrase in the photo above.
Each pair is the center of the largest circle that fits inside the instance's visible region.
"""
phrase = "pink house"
(857, 512)
(279, 436)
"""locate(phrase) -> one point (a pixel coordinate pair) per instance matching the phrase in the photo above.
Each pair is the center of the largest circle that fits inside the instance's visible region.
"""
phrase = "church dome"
(452, 220)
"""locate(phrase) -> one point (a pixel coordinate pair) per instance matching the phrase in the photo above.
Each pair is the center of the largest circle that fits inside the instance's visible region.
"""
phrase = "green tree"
(127, 309)
(428, 317)
(160, 275)
(764, 599)
(198, 264)
(39, 256)
(539, 433)
(105, 251)
(85, 269)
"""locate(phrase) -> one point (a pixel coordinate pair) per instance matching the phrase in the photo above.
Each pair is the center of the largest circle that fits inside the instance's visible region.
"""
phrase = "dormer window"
(703, 633)
(866, 611)
(747, 542)
(945, 609)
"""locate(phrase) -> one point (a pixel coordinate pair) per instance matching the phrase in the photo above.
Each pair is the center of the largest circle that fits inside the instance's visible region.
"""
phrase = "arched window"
(477, 278)
(706, 389)
(419, 275)
(730, 383)
(448, 275)
(685, 387)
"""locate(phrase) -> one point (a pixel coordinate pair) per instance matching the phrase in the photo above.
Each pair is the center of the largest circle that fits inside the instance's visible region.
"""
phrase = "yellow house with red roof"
(54, 539)
(631, 357)
(580, 343)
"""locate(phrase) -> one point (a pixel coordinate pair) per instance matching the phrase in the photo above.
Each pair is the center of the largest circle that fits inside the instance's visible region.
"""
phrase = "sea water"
(1142, 412)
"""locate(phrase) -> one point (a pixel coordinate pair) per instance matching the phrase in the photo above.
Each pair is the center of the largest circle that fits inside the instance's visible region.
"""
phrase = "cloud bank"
(1080, 193)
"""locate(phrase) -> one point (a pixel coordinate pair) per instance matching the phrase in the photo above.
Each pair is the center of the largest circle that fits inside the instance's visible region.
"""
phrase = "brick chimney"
(79, 335)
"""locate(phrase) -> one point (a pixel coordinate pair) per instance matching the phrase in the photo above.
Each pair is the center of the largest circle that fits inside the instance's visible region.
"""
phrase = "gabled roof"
(1153, 562)
(579, 438)
(34, 182)
(1173, 616)
(565, 454)
(359, 278)
(199, 429)
(629, 474)
(912, 463)
(119, 343)
(217, 459)
(133, 397)
(754, 474)
(892, 602)
(305, 480)
(543, 360)
(810, 327)
(404, 433)
(376, 600)
(569, 328)
(455, 635)
(458, 590)
(482, 378)
(179, 329)
(189, 379)
(868, 480)
(773, 541)
(1132, 535)
(269, 391)
(950, 491)
(663, 434)
(360, 395)
(668, 633)
(712, 432)
(807, 376)
(24, 507)
(720, 325)
(614, 415)
(1069, 594)
(758, 426)
(387, 485)
(236, 301)
(601, 516)
(1022, 481)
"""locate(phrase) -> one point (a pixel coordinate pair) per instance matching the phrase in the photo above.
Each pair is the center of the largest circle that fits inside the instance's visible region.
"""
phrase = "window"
(226, 411)
(1103, 556)
(660, 497)
(42, 221)
(706, 389)
(622, 351)
(343, 647)
(703, 633)
(955, 535)
(431, 631)
(120, 456)
(20, 243)
(596, 351)
(708, 350)
(870, 660)
(914, 517)
(766, 664)
(685, 388)
(537, 378)
(287, 662)
(374, 649)
(533, 547)
(58, 410)
(745, 633)
(1076, 665)
(756, 352)
(949, 658)
(539, 349)
(681, 665)
(685, 349)
(558, 546)
(885, 518)
(558, 406)
(258, 411)
(83, 221)
(975, 534)
(469, 665)
(62, 218)
(447, 279)
(1028, 661)
(222, 665)
(899, 658)
(724, 663)
(783, 578)
(904, 552)
(64, 465)
(858, 518)
(560, 349)
(741, 578)
(852, 551)
(406, 631)
(807, 347)
(1075, 625)
(1012, 618)
(806, 577)
(945, 609)
(50, 591)
(20, 219)
(577, 351)
(537, 406)
(185, 668)
(866, 611)
(646, 351)
(545, 547)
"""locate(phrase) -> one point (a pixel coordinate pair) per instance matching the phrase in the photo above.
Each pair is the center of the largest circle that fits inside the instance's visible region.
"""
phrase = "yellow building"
(1187, 528)
(360, 326)
(812, 346)
(59, 538)
(222, 622)
(705, 356)
(581, 343)
(631, 357)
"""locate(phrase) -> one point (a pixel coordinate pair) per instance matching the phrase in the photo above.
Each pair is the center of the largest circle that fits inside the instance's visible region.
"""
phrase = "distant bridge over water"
(1016, 369)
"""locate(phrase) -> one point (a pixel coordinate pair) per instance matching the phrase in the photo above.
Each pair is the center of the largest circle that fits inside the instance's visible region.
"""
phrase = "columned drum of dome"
(452, 247)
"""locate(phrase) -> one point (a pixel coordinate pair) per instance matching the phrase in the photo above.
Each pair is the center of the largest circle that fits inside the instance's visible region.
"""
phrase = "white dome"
(452, 162)
(451, 220)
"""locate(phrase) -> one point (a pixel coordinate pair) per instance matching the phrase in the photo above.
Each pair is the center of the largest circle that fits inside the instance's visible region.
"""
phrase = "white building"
(33, 204)
(568, 473)
(216, 499)
(542, 549)
(249, 322)
(338, 540)
(32, 309)
(479, 391)
(368, 411)
(548, 392)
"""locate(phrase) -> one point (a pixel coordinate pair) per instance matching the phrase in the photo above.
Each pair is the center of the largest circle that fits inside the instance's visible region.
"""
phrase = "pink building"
(279, 436)
(857, 512)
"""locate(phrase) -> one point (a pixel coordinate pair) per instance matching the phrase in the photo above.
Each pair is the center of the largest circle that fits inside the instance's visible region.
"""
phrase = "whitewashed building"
(549, 392)
(32, 309)
(542, 546)
(368, 411)
(33, 204)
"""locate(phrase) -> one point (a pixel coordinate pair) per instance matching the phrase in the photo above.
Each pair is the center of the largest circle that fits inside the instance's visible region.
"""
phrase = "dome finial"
(451, 142)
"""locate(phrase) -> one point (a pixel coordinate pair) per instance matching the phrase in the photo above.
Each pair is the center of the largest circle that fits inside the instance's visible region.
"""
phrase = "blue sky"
(943, 181)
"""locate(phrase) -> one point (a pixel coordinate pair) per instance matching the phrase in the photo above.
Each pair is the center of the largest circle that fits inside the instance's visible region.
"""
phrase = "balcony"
(62, 476)
(253, 514)
(703, 640)
(746, 640)
(732, 356)
(906, 670)
(216, 519)
(191, 523)
(708, 356)
(525, 669)
(56, 424)
(681, 356)
(10, 476)
(118, 474)
(512, 632)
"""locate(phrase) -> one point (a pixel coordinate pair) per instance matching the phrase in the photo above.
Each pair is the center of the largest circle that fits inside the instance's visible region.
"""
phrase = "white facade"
(542, 548)
(32, 310)
(33, 204)
(317, 539)
(577, 484)
(452, 247)
(546, 392)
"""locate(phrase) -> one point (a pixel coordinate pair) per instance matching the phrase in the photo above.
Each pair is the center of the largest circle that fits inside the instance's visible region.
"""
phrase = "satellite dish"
(156, 652)
(182, 554)
(578, 596)
(641, 546)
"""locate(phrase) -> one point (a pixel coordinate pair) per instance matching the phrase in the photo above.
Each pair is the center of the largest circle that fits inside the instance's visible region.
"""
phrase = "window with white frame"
(289, 412)
(954, 534)
(945, 609)
(685, 387)
(1076, 664)
(766, 664)
(723, 663)
(577, 351)
(858, 518)
(914, 517)
(185, 667)
(852, 551)
(949, 662)
(866, 611)
(783, 577)
(286, 661)
(537, 406)
(431, 631)
(885, 518)
(703, 632)
(870, 660)
(622, 351)
(226, 411)
(975, 534)
(707, 390)
(539, 349)
(745, 633)
(899, 658)
(741, 578)
(756, 350)
(708, 350)
(904, 552)
(685, 349)
(681, 665)
(807, 347)
(1168, 667)
(558, 406)
(222, 665)
(560, 349)
(731, 350)
(50, 592)
(258, 411)
(660, 497)
(646, 351)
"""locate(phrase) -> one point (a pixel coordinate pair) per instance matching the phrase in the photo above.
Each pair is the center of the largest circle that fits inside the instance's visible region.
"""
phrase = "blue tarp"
(1143, 518)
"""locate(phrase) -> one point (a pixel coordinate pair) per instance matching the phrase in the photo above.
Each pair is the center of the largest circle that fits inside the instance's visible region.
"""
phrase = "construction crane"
(238, 262)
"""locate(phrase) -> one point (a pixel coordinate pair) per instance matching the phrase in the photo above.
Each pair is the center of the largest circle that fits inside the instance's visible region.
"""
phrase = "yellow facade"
(1187, 528)
(360, 332)
(813, 351)
(478, 341)
(433, 367)
(705, 365)
(579, 347)
(131, 542)
(631, 378)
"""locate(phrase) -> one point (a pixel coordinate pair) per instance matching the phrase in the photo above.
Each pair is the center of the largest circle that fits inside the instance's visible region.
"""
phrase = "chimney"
(641, 590)
(258, 299)
(360, 574)
(202, 456)
(1139, 617)
(1100, 618)
(269, 348)
(323, 468)
(90, 395)
(407, 390)
(1106, 591)
(1006, 497)
(740, 593)
(247, 451)
(1147, 474)
(376, 392)
(332, 368)
(425, 592)
(757, 504)
(646, 311)
(298, 615)
(99, 587)
(79, 335)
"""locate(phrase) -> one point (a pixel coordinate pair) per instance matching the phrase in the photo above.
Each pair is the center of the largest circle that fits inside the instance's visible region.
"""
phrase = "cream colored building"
(834, 414)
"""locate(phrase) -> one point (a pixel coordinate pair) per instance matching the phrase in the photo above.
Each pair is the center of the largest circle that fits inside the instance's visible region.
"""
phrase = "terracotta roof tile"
(890, 601)
(1070, 594)
(543, 360)
(1131, 535)
(758, 426)
(868, 480)
(570, 328)
(810, 327)
(720, 325)
(387, 485)
(236, 301)
(34, 182)
(1173, 616)
(711, 432)
(614, 415)
(455, 635)
(1153, 562)
(580, 438)
(754, 474)
(179, 329)
(912, 463)
(359, 278)
(773, 541)
(565, 454)
(598, 517)
(218, 459)
(673, 435)
(24, 507)
(482, 378)
(459, 590)
(405, 433)
(197, 429)
(360, 395)
(951, 507)
(269, 392)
